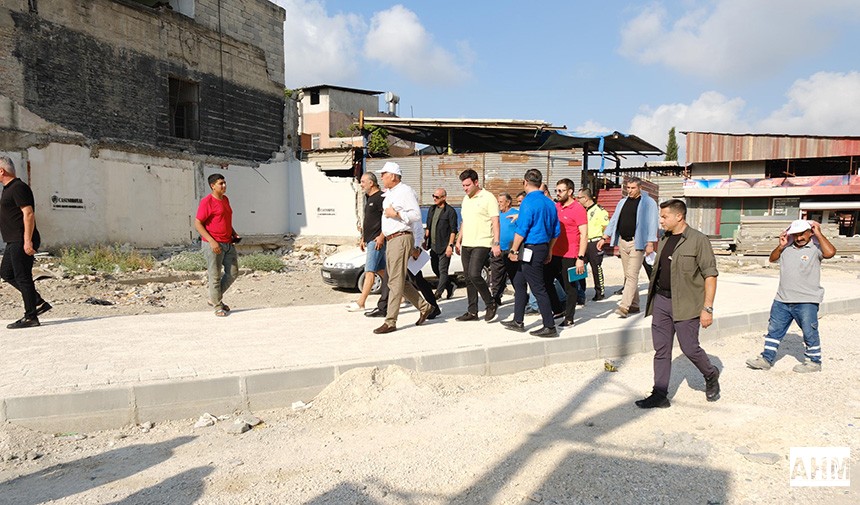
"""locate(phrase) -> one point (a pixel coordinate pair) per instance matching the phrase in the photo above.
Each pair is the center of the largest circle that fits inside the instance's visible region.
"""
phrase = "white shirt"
(405, 202)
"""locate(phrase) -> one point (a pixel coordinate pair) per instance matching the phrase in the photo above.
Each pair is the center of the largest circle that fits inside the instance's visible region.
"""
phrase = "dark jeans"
(502, 269)
(551, 272)
(439, 263)
(570, 288)
(663, 330)
(530, 276)
(474, 259)
(17, 269)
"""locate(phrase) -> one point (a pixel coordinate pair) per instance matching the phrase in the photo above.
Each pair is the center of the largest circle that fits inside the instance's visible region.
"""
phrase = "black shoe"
(438, 294)
(545, 332)
(450, 293)
(499, 301)
(558, 315)
(515, 326)
(656, 400)
(436, 313)
(619, 292)
(24, 322)
(566, 323)
(43, 307)
(598, 297)
(468, 316)
(580, 301)
(375, 313)
(491, 312)
(712, 387)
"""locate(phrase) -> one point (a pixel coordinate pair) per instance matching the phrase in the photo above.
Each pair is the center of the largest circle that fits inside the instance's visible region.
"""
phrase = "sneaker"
(24, 322)
(656, 400)
(43, 307)
(807, 367)
(758, 363)
(468, 316)
(515, 326)
(712, 387)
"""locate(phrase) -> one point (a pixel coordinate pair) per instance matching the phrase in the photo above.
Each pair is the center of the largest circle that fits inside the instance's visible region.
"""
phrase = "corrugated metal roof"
(706, 147)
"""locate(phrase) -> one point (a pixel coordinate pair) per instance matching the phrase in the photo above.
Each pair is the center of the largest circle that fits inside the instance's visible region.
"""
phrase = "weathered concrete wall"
(101, 68)
(321, 205)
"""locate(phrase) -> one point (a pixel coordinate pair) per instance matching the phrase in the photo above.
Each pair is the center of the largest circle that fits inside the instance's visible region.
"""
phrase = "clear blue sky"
(764, 66)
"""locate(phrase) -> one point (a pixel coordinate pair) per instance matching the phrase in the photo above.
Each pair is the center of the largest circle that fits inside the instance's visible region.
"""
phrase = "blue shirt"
(538, 221)
(507, 228)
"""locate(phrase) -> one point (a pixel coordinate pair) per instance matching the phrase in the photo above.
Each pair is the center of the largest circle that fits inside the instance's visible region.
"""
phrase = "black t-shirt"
(664, 274)
(372, 226)
(627, 219)
(15, 195)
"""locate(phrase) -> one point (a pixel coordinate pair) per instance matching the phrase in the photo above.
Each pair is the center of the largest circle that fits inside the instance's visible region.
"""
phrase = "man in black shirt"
(18, 229)
(372, 241)
(440, 234)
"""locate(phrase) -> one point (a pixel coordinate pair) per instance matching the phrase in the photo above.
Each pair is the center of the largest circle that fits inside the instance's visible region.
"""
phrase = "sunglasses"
(437, 197)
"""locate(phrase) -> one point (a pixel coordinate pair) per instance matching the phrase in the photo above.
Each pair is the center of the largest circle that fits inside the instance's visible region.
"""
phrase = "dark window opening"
(184, 109)
(808, 167)
(315, 97)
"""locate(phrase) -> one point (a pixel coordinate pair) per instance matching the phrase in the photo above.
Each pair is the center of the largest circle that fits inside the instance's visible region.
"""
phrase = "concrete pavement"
(84, 374)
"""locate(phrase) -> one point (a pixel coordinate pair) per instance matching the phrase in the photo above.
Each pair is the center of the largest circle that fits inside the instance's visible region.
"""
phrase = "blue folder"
(572, 276)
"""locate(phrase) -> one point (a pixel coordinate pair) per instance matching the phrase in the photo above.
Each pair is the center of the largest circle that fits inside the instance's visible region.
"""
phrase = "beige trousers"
(397, 252)
(631, 263)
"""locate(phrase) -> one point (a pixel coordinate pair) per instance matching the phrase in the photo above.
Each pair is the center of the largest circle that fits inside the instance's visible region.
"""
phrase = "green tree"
(672, 146)
(378, 143)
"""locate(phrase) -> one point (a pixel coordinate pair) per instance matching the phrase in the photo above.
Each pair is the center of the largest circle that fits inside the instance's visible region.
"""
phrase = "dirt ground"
(565, 434)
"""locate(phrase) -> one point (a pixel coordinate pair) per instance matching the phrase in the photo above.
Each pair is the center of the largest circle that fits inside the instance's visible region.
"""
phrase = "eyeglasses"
(561, 190)
(436, 197)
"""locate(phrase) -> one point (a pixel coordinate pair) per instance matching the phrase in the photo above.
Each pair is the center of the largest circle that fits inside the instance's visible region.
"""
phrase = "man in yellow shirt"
(598, 219)
(478, 238)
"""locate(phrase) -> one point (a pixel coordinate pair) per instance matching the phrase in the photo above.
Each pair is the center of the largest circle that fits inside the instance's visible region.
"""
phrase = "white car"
(345, 269)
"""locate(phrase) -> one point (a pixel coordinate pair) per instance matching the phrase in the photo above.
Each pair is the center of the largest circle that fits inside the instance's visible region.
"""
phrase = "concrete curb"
(116, 407)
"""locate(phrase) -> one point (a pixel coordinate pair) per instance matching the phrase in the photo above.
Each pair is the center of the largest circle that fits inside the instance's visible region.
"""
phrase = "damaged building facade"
(115, 111)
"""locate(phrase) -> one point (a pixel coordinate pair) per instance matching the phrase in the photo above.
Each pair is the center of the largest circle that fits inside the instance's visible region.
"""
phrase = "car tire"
(377, 283)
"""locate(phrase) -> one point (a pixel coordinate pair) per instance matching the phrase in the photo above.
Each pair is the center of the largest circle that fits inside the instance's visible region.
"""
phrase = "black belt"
(627, 239)
(664, 292)
(395, 235)
(532, 245)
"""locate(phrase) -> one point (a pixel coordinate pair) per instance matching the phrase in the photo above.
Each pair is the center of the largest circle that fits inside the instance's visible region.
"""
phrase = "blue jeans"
(781, 316)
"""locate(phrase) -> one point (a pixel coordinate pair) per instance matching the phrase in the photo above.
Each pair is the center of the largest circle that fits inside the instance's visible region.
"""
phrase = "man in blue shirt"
(501, 267)
(537, 228)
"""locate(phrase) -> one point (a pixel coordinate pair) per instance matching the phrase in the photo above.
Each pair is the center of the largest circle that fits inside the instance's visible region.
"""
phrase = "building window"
(315, 97)
(315, 140)
(184, 109)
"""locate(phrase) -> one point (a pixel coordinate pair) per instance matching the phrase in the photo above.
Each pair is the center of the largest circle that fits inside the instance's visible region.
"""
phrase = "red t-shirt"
(570, 218)
(217, 217)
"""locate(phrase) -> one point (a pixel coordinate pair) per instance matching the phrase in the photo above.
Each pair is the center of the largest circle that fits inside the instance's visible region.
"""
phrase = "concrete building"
(747, 187)
(327, 115)
(115, 112)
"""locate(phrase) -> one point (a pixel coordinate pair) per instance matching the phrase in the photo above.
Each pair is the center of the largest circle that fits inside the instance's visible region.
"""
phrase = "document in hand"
(573, 276)
(414, 265)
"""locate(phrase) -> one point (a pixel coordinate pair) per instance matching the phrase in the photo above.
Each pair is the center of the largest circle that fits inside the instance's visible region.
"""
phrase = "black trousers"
(551, 272)
(439, 263)
(17, 269)
(594, 258)
(530, 276)
(474, 259)
(502, 269)
(418, 281)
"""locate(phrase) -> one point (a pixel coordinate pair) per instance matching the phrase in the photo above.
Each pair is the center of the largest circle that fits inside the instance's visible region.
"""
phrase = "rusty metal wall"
(702, 214)
(497, 172)
(710, 147)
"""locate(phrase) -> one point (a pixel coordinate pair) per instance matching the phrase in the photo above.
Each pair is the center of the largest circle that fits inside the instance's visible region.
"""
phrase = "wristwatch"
(709, 310)
(451, 246)
(581, 258)
(495, 244)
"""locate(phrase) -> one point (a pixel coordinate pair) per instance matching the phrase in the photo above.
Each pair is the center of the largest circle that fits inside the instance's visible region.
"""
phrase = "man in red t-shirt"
(214, 222)
(569, 249)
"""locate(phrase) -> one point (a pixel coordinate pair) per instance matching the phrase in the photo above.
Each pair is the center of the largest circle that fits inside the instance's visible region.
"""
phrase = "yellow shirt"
(477, 213)
(598, 220)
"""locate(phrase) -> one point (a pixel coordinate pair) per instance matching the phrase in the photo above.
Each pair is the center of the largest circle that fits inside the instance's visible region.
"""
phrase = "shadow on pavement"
(68, 479)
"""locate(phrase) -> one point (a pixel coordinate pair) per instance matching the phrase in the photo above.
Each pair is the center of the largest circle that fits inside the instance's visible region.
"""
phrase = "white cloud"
(735, 39)
(398, 39)
(824, 104)
(319, 48)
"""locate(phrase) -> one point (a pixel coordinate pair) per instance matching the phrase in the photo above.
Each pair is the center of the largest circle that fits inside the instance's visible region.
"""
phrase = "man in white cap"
(401, 212)
(799, 293)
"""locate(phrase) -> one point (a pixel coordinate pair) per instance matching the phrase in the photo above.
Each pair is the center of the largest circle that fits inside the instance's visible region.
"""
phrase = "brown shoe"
(424, 316)
(384, 329)
(633, 310)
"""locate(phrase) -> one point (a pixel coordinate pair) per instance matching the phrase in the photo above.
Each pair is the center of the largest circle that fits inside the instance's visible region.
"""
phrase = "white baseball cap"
(391, 168)
(798, 226)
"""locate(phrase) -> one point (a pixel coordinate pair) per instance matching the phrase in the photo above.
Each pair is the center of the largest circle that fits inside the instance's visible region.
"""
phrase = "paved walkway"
(53, 372)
